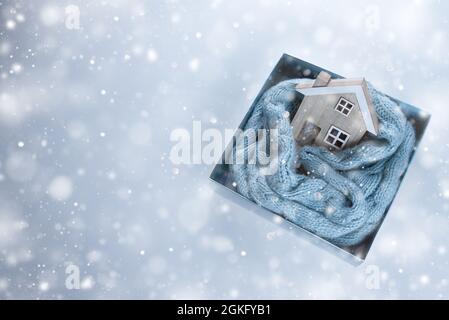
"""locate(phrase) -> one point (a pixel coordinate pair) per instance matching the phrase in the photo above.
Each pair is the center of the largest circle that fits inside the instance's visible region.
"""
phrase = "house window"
(344, 106)
(336, 137)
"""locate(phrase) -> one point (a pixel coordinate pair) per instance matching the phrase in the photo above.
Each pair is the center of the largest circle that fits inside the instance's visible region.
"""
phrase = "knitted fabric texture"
(342, 196)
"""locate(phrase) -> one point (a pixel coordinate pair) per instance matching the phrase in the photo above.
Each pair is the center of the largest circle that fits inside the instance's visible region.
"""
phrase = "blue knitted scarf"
(345, 194)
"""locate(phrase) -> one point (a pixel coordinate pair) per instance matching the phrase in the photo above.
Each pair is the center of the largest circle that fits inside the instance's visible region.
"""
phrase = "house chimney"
(322, 79)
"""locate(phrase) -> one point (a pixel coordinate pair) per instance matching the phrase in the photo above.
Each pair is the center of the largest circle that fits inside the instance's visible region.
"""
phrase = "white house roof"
(342, 86)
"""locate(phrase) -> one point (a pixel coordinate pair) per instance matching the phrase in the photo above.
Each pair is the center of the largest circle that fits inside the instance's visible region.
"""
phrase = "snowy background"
(85, 120)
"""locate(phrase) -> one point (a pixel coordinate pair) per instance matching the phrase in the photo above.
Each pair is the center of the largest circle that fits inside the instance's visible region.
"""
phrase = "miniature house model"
(334, 113)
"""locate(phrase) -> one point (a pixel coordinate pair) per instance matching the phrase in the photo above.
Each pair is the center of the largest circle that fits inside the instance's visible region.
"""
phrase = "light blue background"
(85, 122)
